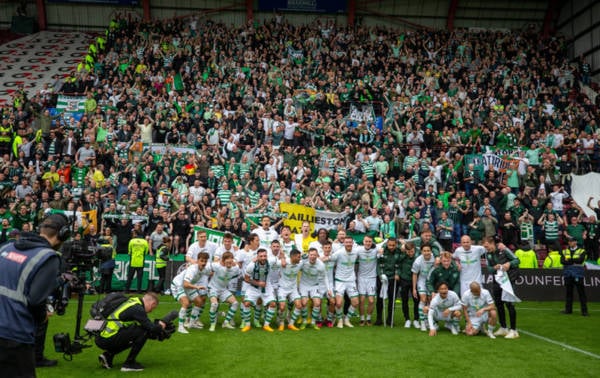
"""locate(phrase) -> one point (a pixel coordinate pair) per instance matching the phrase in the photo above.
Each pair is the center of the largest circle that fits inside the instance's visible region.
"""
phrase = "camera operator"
(29, 272)
(128, 327)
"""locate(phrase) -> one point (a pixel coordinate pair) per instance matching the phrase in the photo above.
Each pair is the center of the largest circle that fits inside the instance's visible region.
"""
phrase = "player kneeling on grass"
(479, 309)
(189, 287)
(257, 276)
(288, 289)
(312, 279)
(224, 272)
(445, 307)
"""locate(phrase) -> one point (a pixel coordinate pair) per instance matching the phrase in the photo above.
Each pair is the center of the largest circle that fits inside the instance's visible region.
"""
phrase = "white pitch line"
(546, 309)
(567, 346)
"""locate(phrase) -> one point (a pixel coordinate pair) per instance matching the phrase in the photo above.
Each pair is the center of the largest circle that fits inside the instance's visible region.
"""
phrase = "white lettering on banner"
(214, 238)
(149, 268)
(121, 268)
(325, 219)
(593, 282)
(554, 280)
(541, 280)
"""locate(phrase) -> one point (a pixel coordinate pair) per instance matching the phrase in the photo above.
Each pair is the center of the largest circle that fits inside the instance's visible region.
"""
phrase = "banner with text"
(295, 215)
(548, 284)
(215, 236)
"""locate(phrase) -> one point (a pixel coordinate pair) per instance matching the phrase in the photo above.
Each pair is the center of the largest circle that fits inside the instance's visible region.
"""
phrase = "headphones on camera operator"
(60, 223)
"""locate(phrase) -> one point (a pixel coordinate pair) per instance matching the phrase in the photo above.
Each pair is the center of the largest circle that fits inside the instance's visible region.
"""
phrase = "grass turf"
(358, 352)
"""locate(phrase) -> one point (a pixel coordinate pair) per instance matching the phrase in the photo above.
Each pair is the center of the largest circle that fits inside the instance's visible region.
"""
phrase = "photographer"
(30, 260)
(128, 327)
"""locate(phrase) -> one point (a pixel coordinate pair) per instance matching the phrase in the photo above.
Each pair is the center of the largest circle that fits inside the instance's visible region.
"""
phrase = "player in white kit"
(312, 279)
(367, 279)
(468, 258)
(224, 272)
(345, 281)
(201, 245)
(479, 309)
(421, 268)
(266, 233)
(189, 287)
(288, 289)
(446, 307)
(329, 265)
(259, 288)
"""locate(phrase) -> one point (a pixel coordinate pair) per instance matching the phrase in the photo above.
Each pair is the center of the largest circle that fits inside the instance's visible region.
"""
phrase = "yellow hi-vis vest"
(114, 324)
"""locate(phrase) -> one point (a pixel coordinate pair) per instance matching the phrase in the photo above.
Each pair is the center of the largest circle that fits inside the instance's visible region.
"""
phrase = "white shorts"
(287, 295)
(310, 291)
(367, 286)
(179, 291)
(323, 291)
(478, 321)
(422, 287)
(221, 294)
(253, 295)
(349, 288)
(438, 316)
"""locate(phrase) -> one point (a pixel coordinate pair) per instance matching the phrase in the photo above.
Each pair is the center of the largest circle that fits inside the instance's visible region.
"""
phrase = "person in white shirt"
(189, 287)
(446, 307)
(345, 281)
(259, 287)
(312, 279)
(224, 272)
(421, 268)
(285, 238)
(556, 197)
(266, 233)
(479, 309)
(288, 289)
(202, 245)
(468, 259)
(367, 279)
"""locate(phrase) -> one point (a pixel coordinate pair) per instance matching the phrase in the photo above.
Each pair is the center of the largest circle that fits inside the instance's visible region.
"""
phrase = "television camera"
(80, 259)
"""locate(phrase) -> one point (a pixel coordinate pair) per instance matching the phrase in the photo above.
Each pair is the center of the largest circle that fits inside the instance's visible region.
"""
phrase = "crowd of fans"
(254, 115)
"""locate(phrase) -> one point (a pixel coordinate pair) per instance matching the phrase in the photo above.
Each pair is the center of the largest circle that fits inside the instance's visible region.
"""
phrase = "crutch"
(393, 305)
(383, 293)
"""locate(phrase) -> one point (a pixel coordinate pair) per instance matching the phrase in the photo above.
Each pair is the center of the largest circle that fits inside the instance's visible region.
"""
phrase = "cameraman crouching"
(128, 327)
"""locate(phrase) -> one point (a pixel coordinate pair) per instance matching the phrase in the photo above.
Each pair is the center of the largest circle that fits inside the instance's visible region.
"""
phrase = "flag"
(70, 104)
(178, 82)
(364, 113)
(383, 293)
(215, 236)
(508, 294)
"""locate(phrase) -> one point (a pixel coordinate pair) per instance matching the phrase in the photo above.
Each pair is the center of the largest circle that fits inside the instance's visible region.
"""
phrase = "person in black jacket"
(387, 274)
(29, 273)
(500, 258)
(128, 327)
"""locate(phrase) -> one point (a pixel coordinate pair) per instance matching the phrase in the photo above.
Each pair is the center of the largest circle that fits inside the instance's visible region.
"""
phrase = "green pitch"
(551, 344)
